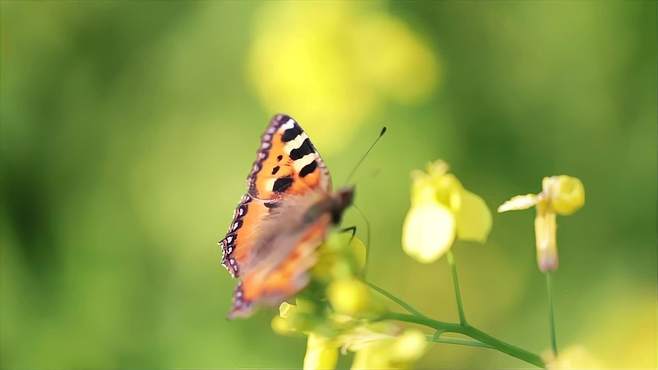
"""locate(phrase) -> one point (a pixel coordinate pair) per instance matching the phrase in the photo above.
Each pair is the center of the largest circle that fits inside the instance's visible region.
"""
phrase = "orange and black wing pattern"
(287, 165)
(285, 272)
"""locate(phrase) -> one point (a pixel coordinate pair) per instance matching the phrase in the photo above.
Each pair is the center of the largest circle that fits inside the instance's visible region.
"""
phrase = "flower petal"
(566, 194)
(422, 188)
(428, 231)
(349, 296)
(574, 357)
(545, 239)
(518, 202)
(399, 352)
(363, 336)
(321, 353)
(473, 218)
(438, 168)
(409, 346)
(448, 190)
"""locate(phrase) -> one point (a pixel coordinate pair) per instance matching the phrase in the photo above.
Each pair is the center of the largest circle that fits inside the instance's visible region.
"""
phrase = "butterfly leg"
(351, 229)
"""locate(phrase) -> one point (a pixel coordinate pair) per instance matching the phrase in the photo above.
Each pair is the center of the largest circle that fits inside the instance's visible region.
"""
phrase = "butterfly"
(279, 223)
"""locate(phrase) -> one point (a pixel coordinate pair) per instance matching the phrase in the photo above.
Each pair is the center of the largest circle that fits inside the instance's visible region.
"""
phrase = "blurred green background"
(128, 129)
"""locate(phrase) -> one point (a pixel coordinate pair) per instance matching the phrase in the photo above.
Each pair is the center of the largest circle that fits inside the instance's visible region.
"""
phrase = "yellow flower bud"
(566, 194)
(292, 318)
(349, 296)
(282, 326)
(286, 309)
(341, 256)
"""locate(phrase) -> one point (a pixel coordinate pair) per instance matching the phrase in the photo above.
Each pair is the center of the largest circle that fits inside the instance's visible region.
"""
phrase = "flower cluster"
(339, 313)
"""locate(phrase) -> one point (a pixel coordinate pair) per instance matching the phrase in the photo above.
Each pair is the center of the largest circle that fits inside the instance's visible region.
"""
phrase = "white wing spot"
(287, 125)
(303, 161)
(269, 185)
(295, 143)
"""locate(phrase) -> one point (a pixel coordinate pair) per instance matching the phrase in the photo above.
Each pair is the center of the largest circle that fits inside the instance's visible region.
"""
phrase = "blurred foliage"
(128, 129)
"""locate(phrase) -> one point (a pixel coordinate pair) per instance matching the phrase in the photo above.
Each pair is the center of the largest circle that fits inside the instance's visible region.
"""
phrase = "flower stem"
(479, 338)
(422, 320)
(473, 333)
(395, 299)
(455, 283)
(551, 315)
(458, 341)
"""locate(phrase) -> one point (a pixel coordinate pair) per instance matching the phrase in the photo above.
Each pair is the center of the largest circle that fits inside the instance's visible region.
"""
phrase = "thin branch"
(395, 299)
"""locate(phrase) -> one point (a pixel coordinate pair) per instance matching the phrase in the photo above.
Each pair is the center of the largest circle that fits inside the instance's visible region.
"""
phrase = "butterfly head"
(341, 200)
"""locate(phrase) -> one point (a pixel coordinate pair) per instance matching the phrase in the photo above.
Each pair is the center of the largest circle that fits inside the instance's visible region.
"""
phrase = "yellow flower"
(394, 352)
(573, 358)
(321, 353)
(341, 256)
(361, 336)
(566, 194)
(294, 318)
(442, 210)
(345, 58)
(352, 297)
(561, 195)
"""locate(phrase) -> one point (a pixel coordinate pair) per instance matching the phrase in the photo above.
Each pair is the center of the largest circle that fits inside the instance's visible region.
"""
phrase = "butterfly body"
(285, 215)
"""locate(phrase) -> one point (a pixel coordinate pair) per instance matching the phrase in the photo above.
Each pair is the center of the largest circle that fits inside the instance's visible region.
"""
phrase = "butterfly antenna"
(363, 157)
(365, 219)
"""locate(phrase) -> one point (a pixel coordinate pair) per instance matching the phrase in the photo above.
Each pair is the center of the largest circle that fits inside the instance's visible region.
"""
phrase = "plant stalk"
(455, 283)
(471, 332)
(395, 299)
(458, 341)
(551, 314)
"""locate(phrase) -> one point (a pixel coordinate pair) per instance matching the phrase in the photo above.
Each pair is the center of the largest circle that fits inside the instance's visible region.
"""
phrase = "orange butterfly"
(285, 215)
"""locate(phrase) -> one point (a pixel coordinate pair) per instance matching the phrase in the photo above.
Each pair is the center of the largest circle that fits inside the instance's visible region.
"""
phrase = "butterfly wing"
(285, 251)
(286, 164)
(270, 244)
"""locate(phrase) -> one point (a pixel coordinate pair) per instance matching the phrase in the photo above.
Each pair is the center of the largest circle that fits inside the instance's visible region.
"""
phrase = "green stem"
(504, 347)
(473, 333)
(458, 341)
(455, 283)
(551, 315)
(479, 338)
(421, 320)
(395, 299)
